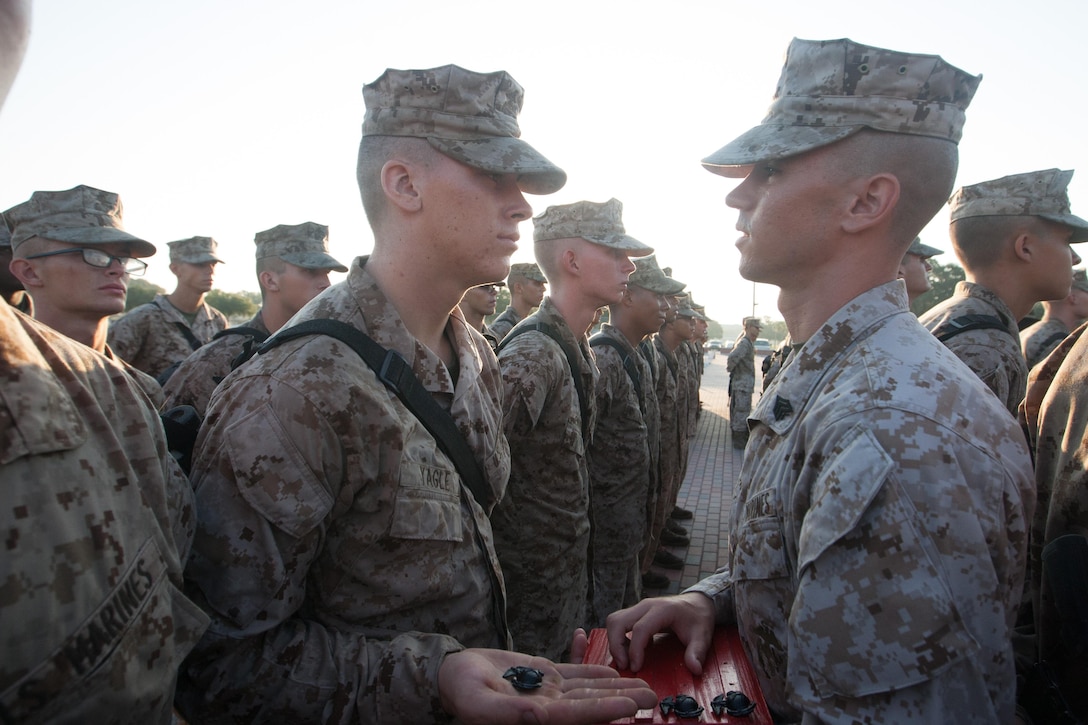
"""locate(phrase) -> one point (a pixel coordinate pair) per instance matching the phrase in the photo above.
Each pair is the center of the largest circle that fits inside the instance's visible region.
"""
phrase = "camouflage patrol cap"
(683, 307)
(589, 220)
(304, 245)
(194, 250)
(752, 322)
(1080, 280)
(1035, 193)
(831, 89)
(649, 276)
(528, 270)
(81, 215)
(5, 235)
(923, 250)
(471, 117)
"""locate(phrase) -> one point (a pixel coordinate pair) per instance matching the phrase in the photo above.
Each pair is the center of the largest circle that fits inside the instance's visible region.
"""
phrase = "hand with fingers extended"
(689, 616)
(474, 690)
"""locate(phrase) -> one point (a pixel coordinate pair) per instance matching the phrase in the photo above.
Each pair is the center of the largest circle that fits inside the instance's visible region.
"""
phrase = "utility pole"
(753, 299)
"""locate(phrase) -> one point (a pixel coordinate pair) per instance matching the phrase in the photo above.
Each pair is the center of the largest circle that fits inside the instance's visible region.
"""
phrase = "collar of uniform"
(978, 292)
(797, 382)
(375, 315)
(613, 331)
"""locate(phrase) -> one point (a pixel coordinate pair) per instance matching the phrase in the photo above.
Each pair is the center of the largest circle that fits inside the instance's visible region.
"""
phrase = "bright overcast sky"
(226, 117)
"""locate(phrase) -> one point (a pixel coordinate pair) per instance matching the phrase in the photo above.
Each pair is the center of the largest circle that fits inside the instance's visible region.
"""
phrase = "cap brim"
(1079, 226)
(666, 286)
(506, 155)
(771, 141)
(314, 260)
(100, 235)
(924, 250)
(632, 246)
(199, 259)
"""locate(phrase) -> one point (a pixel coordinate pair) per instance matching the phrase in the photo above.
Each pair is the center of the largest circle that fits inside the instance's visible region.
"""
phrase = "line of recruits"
(335, 557)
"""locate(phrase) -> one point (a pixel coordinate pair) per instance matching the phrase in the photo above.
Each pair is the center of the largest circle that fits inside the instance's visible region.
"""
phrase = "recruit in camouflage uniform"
(741, 365)
(1039, 340)
(687, 396)
(879, 524)
(542, 525)
(995, 355)
(624, 457)
(1057, 424)
(86, 217)
(304, 245)
(509, 317)
(98, 521)
(667, 391)
(342, 557)
(157, 335)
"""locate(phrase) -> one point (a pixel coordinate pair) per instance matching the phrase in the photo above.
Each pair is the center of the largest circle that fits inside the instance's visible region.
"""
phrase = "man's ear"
(1023, 245)
(269, 280)
(399, 179)
(873, 203)
(25, 272)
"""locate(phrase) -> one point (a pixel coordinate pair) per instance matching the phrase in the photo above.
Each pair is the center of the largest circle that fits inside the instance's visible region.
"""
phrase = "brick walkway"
(707, 489)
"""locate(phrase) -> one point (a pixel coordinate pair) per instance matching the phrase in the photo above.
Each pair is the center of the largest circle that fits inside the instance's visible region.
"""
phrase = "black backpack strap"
(572, 363)
(601, 339)
(249, 347)
(397, 375)
(965, 323)
(1053, 340)
(194, 343)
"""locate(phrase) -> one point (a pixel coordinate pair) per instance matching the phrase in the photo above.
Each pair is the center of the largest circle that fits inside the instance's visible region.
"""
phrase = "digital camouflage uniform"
(666, 392)
(1058, 426)
(741, 365)
(148, 336)
(542, 525)
(879, 529)
(148, 384)
(1039, 340)
(504, 323)
(993, 355)
(98, 520)
(195, 379)
(621, 465)
(337, 550)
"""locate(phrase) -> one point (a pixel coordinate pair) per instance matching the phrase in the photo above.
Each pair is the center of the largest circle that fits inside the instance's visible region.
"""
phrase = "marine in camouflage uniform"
(293, 265)
(357, 514)
(879, 526)
(994, 355)
(843, 460)
(526, 284)
(991, 223)
(542, 525)
(1058, 428)
(99, 521)
(624, 455)
(741, 365)
(157, 335)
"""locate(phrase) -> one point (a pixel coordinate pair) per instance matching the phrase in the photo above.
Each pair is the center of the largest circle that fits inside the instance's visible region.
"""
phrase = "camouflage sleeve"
(127, 334)
(263, 518)
(718, 587)
(528, 374)
(865, 557)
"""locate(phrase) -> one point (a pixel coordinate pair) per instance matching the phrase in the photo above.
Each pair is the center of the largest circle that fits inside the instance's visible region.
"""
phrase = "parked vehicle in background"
(714, 345)
(763, 346)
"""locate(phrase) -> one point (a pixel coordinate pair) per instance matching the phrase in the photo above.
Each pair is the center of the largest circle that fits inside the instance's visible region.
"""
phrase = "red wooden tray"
(665, 672)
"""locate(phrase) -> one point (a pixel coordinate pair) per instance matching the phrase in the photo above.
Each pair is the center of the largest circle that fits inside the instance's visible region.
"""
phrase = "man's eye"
(769, 170)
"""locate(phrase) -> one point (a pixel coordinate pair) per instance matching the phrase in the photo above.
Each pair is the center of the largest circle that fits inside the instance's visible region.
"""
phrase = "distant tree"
(140, 292)
(774, 330)
(714, 329)
(234, 305)
(944, 278)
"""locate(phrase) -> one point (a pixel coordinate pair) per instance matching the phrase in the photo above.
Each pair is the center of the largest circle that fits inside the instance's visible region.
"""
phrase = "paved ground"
(707, 489)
